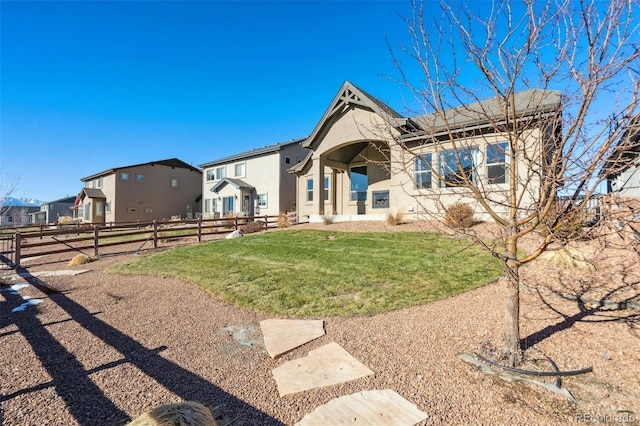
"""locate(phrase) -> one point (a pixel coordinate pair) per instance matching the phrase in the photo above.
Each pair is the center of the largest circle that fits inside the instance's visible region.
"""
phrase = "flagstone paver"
(328, 365)
(375, 407)
(283, 335)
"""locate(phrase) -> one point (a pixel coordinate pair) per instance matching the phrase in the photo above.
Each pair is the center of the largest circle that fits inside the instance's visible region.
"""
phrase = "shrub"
(394, 219)
(252, 227)
(328, 220)
(563, 225)
(459, 216)
(283, 222)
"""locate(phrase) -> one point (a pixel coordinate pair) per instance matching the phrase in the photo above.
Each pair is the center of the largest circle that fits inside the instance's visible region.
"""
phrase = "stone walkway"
(330, 365)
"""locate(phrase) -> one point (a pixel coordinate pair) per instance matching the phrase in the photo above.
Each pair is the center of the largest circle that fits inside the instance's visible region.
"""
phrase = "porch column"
(333, 189)
(319, 185)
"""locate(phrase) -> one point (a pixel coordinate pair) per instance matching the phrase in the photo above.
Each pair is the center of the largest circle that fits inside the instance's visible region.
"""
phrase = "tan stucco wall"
(268, 175)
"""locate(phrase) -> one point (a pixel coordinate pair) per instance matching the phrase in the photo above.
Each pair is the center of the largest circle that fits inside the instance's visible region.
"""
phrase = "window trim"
(242, 164)
(505, 163)
(427, 159)
(266, 201)
(309, 190)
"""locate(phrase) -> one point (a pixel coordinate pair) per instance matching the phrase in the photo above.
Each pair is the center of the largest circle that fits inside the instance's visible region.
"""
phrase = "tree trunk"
(511, 348)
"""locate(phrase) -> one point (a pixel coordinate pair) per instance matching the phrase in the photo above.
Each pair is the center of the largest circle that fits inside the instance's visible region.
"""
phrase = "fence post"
(18, 243)
(235, 222)
(266, 224)
(199, 230)
(96, 240)
(155, 233)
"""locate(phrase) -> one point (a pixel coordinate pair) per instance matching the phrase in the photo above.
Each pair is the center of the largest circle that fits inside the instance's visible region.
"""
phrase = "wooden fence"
(34, 241)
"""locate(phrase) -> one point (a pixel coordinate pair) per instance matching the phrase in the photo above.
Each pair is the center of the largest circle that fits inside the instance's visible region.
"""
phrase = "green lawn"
(323, 273)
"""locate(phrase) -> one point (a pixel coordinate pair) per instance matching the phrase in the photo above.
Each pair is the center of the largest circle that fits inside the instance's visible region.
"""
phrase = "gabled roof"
(347, 96)
(527, 103)
(65, 200)
(236, 183)
(91, 193)
(171, 162)
(257, 152)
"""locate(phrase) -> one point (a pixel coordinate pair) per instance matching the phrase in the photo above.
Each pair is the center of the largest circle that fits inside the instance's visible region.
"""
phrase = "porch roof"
(91, 193)
(236, 183)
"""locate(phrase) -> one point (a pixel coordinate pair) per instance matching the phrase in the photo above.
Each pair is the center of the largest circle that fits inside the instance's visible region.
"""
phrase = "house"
(622, 168)
(252, 183)
(51, 211)
(155, 190)
(16, 215)
(367, 161)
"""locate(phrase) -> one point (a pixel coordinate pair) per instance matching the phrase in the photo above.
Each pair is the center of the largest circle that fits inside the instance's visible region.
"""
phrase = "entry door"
(227, 205)
(246, 204)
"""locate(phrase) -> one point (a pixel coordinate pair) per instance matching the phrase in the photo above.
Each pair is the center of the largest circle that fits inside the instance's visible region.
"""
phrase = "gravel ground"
(101, 349)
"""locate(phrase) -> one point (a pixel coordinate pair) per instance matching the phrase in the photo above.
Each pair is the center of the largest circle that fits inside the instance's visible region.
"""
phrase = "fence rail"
(23, 243)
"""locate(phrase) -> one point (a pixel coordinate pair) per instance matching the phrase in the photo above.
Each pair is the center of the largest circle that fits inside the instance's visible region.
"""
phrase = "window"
(422, 171)
(458, 167)
(227, 205)
(124, 176)
(497, 162)
(239, 170)
(211, 174)
(287, 160)
(99, 208)
(174, 182)
(107, 207)
(309, 190)
(380, 199)
(326, 188)
(215, 206)
(131, 209)
(220, 173)
(139, 177)
(262, 200)
(359, 183)
(99, 182)
(207, 205)
(93, 183)
(148, 210)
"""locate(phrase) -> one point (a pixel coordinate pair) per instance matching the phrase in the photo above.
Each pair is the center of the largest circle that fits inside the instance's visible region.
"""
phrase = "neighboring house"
(16, 215)
(51, 211)
(252, 183)
(357, 169)
(622, 168)
(156, 190)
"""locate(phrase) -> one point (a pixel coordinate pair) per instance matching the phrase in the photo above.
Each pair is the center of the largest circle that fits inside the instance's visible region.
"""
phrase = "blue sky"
(86, 86)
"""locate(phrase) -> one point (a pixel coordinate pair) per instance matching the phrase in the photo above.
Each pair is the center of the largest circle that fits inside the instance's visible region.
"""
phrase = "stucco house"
(50, 211)
(622, 168)
(365, 160)
(252, 183)
(16, 215)
(155, 190)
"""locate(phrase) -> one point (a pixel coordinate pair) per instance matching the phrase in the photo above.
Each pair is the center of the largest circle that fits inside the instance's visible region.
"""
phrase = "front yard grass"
(310, 273)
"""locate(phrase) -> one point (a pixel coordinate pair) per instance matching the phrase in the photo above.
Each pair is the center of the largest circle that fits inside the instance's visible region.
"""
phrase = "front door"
(359, 187)
(246, 204)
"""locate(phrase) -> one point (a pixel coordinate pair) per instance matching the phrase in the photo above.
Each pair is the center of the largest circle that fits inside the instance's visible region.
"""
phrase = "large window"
(309, 190)
(458, 167)
(422, 171)
(326, 188)
(239, 170)
(497, 162)
(207, 205)
(359, 183)
(220, 173)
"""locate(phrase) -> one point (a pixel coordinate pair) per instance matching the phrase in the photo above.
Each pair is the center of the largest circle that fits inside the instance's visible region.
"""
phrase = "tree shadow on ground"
(602, 310)
(84, 399)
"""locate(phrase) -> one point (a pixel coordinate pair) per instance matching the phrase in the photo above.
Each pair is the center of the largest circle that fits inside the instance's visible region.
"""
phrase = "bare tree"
(7, 188)
(547, 89)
